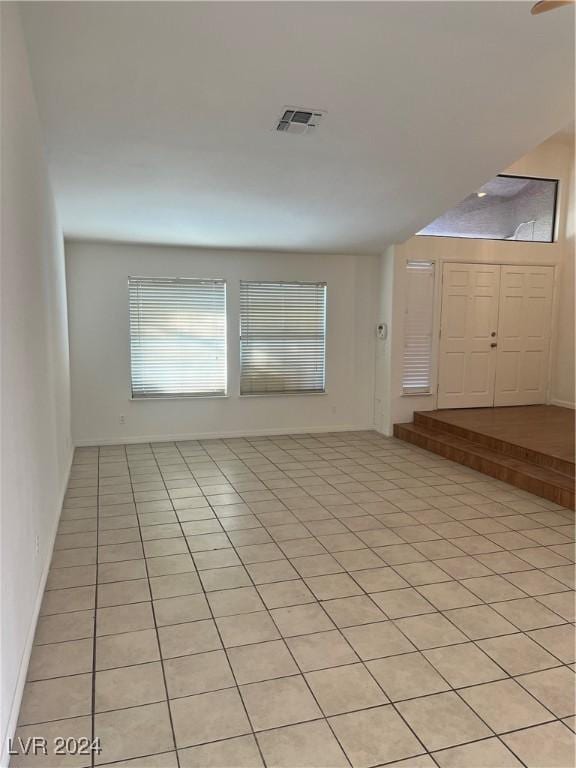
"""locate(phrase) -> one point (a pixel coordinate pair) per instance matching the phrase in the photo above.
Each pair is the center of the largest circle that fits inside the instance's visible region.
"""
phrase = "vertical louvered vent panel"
(418, 322)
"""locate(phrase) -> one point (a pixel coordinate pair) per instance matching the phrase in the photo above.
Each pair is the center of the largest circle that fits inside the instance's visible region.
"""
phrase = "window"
(282, 337)
(177, 337)
(418, 321)
(506, 208)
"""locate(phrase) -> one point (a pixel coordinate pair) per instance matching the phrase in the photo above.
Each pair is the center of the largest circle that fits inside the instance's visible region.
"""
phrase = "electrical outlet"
(122, 419)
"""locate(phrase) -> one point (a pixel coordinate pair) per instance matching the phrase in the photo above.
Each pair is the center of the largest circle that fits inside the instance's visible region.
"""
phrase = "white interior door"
(523, 335)
(468, 328)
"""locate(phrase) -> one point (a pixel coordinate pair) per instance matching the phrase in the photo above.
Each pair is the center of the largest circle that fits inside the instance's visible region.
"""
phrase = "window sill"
(156, 398)
(224, 397)
(283, 394)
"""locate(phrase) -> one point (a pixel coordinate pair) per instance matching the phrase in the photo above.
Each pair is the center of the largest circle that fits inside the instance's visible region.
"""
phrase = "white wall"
(36, 443)
(384, 346)
(552, 159)
(97, 276)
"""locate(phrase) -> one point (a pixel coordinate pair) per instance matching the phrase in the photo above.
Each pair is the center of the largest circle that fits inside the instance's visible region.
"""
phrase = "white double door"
(494, 335)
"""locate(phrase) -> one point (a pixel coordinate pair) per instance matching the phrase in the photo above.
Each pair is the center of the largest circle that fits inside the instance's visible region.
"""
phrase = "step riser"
(499, 446)
(488, 467)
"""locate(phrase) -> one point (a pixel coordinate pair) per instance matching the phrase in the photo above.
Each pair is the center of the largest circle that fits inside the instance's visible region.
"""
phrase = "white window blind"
(418, 321)
(177, 337)
(282, 337)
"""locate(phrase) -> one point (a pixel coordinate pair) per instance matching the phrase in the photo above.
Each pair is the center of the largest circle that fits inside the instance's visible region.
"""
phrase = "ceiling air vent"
(299, 120)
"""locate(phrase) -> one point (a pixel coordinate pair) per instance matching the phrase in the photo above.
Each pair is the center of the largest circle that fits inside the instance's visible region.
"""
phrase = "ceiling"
(158, 117)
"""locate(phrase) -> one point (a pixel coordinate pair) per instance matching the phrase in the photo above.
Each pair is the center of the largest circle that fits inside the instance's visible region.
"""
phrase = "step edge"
(529, 455)
(563, 497)
(470, 446)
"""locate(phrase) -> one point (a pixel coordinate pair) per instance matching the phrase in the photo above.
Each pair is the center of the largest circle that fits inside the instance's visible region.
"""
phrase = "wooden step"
(534, 478)
(433, 420)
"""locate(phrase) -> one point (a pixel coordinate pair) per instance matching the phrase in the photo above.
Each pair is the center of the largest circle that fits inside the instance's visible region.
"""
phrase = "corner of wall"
(385, 347)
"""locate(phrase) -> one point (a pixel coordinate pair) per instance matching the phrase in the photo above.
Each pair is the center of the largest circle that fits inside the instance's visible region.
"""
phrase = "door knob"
(493, 333)
(493, 344)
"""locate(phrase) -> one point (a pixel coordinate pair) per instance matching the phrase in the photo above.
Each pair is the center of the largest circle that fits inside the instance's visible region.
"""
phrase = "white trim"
(562, 403)
(304, 430)
(554, 325)
(25, 658)
(501, 261)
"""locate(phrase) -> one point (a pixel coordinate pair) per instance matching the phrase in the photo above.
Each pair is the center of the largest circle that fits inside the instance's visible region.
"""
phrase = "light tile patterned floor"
(313, 600)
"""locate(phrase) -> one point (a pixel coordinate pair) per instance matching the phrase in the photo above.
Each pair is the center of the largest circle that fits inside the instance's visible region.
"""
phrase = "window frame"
(554, 236)
(316, 393)
(157, 397)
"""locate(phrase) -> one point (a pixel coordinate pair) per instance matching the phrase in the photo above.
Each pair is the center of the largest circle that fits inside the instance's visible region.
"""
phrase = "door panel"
(469, 318)
(524, 335)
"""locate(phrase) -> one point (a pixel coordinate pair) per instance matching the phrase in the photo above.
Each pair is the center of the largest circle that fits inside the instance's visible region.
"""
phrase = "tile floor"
(314, 600)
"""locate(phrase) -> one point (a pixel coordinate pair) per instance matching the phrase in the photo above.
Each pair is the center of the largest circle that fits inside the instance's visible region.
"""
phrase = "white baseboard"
(25, 660)
(563, 403)
(127, 440)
